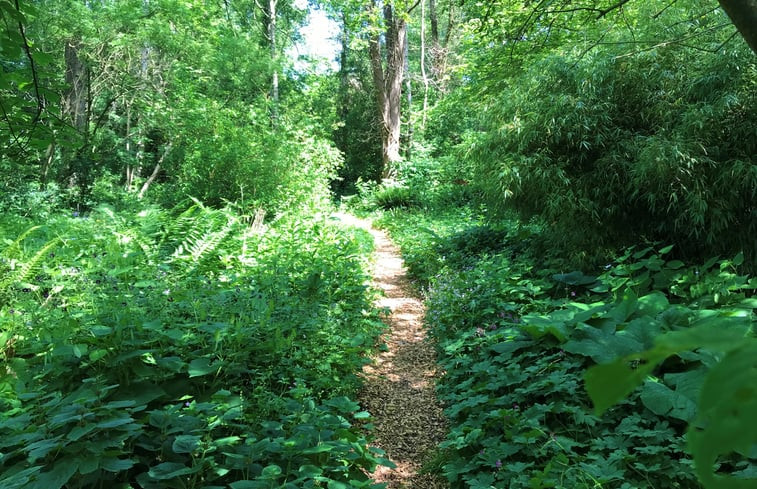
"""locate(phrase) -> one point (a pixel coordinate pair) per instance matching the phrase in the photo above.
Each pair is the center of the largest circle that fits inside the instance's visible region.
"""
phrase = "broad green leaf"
(625, 307)
(320, 448)
(88, 464)
(114, 423)
(186, 443)
(574, 278)
(250, 484)
(117, 464)
(664, 401)
(310, 471)
(272, 471)
(169, 470)
(726, 421)
(56, 478)
(79, 431)
(610, 383)
(200, 366)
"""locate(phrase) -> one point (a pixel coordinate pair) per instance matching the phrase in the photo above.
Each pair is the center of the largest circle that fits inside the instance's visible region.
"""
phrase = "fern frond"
(15, 245)
(23, 272)
(209, 242)
(206, 232)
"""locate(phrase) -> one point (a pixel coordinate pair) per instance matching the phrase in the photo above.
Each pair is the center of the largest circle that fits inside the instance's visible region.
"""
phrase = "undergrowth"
(516, 332)
(182, 349)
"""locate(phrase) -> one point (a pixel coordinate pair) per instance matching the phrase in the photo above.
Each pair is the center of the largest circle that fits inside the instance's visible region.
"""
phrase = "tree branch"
(609, 9)
(32, 66)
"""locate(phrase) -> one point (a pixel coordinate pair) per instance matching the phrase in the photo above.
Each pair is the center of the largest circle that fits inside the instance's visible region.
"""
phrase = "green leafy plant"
(516, 333)
(182, 348)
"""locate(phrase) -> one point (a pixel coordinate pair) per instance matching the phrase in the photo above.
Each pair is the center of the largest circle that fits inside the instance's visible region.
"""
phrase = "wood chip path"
(399, 383)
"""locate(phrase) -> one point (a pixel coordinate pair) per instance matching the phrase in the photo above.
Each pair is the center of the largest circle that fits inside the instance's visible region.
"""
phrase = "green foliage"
(389, 197)
(606, 131)
(182, 348)
(516, 335)
(569, 145)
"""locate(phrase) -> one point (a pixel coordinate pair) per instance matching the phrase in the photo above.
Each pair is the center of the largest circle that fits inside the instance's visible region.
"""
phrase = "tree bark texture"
(388, 84)
(76, 99)
(743, 14)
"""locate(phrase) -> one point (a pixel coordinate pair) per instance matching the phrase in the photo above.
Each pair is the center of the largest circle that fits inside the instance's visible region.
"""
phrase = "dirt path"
(399, 384)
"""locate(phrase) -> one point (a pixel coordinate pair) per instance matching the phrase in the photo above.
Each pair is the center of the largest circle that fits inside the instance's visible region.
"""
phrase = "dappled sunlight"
(399, 386)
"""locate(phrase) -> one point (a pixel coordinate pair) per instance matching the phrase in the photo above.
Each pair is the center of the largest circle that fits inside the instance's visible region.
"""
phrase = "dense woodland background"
(571, 182)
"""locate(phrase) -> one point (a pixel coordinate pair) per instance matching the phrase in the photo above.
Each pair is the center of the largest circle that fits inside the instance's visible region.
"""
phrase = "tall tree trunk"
(76, 100)
(388, 84)
(439, 46)
(743, 14)
(76, 108)
(436, 47)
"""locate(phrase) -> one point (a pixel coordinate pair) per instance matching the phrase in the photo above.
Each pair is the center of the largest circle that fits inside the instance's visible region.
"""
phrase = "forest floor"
(398, 387)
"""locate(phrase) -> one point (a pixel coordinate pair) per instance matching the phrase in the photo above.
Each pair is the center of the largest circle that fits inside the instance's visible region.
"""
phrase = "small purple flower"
(75, 214)
(498, 464)
(492, 327)
(515, 406)
(187, 404)
(572, 293)
(480, 332)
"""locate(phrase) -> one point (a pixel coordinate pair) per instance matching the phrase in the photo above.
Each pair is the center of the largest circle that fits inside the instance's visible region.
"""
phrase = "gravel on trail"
(398, 384)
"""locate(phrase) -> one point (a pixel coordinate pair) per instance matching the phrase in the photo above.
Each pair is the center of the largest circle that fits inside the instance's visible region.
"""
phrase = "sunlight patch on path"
(399, 383)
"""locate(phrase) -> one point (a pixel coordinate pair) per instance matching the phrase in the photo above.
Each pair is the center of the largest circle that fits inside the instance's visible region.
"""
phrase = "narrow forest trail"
(399, 383)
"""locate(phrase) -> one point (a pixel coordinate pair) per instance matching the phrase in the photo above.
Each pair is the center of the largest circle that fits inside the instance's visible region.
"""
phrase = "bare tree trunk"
(75, 108)
(436, 47)
(388, 84)
(743, 14)
(155, 172)
(127, 138)
(439, 46)
(76, 100)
